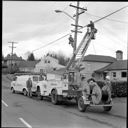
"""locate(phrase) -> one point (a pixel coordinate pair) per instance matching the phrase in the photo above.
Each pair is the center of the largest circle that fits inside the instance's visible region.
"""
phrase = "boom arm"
(82, 48)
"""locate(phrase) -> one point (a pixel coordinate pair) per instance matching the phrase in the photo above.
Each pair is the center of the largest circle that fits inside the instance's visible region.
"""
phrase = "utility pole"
(12, 53)
(76, 23)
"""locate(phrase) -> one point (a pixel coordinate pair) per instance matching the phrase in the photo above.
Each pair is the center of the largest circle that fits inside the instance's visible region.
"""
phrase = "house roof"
(61, 71)
(24, 64)
(99, 58)
(117, 65)
(15, 57)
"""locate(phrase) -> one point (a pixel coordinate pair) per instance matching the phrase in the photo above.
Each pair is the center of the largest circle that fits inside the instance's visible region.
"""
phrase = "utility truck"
(65, 86)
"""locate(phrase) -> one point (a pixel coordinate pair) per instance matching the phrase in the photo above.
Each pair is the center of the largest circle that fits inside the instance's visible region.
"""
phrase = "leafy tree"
(31, 57)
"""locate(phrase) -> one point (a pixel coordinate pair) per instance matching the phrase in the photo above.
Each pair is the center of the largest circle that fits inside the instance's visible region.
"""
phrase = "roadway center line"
(4, 103)
(23, 121)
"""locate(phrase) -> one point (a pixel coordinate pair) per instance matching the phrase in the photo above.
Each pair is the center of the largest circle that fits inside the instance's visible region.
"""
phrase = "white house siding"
(45, 66)
(90, 67)
(118, 75)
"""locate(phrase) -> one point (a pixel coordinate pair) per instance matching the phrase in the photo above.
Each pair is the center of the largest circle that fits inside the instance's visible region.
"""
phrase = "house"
(99, 66)
(92, 63)
(4, 63)
(116, 71)
(13, 59)
(47, 63)
(27, 66)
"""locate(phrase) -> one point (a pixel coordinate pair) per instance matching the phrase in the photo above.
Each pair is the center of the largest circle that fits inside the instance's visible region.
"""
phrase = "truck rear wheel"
(54, 97)
(81, 106)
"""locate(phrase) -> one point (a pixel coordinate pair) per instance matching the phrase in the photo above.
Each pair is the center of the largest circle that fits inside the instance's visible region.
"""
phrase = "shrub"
(119, 88)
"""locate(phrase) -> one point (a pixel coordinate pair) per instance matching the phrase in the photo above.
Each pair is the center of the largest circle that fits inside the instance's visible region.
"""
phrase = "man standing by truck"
(29, 86)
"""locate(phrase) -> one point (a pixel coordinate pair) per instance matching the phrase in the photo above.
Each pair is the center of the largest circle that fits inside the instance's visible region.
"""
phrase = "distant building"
(118, 70)
(98, 66)
(47, 63)
(13, 59)
(92, 63)
(27, 66)
(4, 63)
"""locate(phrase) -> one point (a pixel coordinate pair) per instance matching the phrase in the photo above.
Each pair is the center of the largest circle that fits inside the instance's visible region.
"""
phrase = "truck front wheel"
(39, 96)
(54, 97)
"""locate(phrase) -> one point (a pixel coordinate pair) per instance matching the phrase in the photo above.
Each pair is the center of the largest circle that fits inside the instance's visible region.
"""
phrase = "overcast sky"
(35, 24)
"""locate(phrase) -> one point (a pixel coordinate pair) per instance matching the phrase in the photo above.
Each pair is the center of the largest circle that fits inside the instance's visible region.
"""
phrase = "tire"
(54, 97)
(81, 106)
(107, 108)
(39, 97)
(24, 92)
(12, 90)
(96, 99)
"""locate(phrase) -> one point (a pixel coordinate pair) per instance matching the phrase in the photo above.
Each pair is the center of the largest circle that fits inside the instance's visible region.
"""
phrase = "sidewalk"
(119, 107)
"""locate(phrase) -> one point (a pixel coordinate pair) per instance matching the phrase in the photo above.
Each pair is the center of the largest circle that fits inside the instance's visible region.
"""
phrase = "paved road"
(21, 111)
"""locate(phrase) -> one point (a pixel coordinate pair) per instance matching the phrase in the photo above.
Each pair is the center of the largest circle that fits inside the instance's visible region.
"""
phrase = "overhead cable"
(83, 27)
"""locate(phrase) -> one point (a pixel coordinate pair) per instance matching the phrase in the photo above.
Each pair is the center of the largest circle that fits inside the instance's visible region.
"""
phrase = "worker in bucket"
(29, 86)
(90, 28)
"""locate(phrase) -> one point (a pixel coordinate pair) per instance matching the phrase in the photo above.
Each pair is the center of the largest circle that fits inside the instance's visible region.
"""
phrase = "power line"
(111, 14)
(108, 18)
(108, 15)
(94, 48)
(52, 42)
(83, 27)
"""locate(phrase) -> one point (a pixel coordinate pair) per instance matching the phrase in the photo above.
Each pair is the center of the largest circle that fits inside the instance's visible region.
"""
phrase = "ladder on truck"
(82, 48)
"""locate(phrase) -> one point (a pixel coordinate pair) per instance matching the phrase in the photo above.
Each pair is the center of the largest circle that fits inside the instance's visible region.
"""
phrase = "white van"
(19, 83)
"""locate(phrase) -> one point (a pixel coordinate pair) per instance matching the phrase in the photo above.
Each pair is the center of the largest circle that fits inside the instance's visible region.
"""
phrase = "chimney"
(119, 55)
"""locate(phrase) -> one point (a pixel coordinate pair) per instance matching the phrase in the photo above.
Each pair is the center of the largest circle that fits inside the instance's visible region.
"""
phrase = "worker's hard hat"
(108, 77)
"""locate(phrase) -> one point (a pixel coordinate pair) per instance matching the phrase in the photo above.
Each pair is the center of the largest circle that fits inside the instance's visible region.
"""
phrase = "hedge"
(119, 88)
